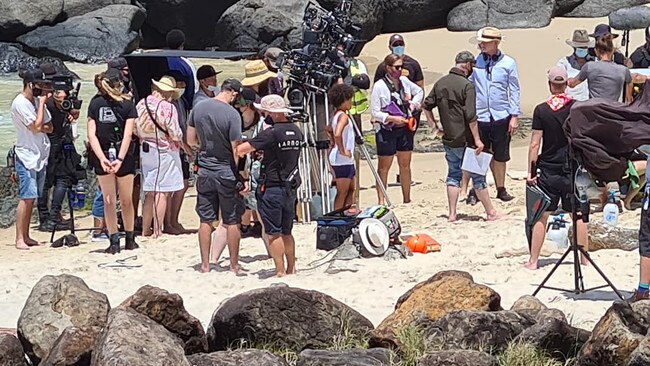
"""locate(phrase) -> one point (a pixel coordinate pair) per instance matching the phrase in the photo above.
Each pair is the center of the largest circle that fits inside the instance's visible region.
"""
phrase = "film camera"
(65, 83)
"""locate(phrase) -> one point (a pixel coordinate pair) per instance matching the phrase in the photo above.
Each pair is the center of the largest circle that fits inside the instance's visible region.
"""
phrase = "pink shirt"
(167, 117)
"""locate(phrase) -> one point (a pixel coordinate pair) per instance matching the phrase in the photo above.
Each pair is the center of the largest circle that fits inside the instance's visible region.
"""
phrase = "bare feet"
(292, 271)
(31, 242)
(495, 216)
(530, 265)
(452, 218)
(280, 274)
(238, 270)
(21, 245)
(204, 268)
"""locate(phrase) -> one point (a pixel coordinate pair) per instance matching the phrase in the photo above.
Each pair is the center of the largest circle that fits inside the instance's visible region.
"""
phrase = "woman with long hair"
(111, 117)
(160, 142)
(394, 99)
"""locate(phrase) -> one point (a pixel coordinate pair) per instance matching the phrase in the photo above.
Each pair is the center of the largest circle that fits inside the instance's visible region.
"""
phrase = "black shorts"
(397, 139)
(277, 209)
(215, 194)
(556, 183)
(496, 138)
(185, 166)
(127, 168)
(644, 229)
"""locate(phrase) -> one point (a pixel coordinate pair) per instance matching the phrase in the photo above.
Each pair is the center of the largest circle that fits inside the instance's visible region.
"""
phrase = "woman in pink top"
(160, 138)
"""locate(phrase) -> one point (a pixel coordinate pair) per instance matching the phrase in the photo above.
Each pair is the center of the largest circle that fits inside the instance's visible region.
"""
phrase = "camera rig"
(66, 84)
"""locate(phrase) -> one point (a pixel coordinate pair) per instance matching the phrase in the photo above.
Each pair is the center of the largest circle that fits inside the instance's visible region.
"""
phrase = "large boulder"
(566, 6)
(55, 303)
(248, 357)
(616, 335)
(253, 25)
(73, 8)
(528, 302)
(167, 310)
(351, 357)
(91, 38)
(412, 15)
(458, 358)
(11, 351)
(641, 355)
(196, 18)
(477, 330)
(502, 14)
(286, 317)
(432, 299)
(601, 8)
(72, 348)
(18, 17)
(12, 60)
(555, 337)
(133, 339)
(637, 17)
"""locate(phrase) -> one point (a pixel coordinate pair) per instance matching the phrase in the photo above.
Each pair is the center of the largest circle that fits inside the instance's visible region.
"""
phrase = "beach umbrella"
(536, 203)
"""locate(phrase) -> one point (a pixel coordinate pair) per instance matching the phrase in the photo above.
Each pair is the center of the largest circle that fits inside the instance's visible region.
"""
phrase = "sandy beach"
(470, 245)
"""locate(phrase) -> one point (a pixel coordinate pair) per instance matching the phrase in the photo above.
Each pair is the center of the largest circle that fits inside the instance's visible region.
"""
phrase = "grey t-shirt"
(199, 96)
(217, 124)
(606, 79)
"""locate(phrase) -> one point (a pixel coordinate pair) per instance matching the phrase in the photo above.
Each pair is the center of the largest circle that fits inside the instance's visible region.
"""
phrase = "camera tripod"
(576, 249)
(69, 239)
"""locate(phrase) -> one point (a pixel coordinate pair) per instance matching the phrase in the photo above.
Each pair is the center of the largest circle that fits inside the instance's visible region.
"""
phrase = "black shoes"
(503, 195)
(48, 226)
(114, 247)
(130, 241)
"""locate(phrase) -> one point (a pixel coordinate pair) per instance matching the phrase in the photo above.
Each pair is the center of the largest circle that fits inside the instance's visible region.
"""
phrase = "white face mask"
(214, 89)
(181, 92)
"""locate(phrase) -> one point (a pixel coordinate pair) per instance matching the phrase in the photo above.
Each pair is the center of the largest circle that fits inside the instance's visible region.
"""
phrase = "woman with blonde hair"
(111, 117)
(160, 142)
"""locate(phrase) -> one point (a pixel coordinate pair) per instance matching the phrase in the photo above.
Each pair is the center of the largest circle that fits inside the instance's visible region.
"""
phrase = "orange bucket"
(422, 243)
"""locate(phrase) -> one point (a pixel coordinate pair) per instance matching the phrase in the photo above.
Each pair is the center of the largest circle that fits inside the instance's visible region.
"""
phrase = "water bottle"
(610, 212)
(80, 192)
(112, 153)
(72, 196)
(558, 231)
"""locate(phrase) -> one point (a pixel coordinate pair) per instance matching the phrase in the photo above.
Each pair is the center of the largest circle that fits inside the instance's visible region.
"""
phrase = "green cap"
(464, 57)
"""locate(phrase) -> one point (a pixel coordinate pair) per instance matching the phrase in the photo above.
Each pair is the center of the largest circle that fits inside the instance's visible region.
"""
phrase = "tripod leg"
(550, 274)
(600, 272)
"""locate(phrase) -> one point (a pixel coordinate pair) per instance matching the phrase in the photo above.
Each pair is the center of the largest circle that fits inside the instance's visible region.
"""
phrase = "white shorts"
(161, 172)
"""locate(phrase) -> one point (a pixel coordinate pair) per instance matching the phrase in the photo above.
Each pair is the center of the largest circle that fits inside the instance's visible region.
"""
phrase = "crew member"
(207, 77)
(280, 178)
(120, 63)
(643, 291)
(601, 30)
(580, 42)
(411, 67)
(31, 119)
(276, 84)
(258, 77)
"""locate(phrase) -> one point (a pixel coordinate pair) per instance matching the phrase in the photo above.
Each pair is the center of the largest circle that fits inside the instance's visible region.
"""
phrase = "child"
(341, 134)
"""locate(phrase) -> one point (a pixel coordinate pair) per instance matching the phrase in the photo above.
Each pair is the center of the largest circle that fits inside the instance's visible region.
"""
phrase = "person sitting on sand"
(554, 177)
(455, 97)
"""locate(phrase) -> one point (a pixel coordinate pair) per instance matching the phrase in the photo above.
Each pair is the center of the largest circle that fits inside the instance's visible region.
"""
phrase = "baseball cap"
(49, 69)
(113, 75)
(232, 84)
(464, 57)
(272, 54)
(557, 75)
(395, 38)
(34, 76)
(205, 72)
(118, 63)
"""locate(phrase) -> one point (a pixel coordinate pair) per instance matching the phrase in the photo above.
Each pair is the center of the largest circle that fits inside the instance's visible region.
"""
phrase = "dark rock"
(601, 8)
(367, 14)
(565, 6)
(477, 330)
(468, 16)
(458, 358)
(641, 355)
(412, 15)
(72, 348)
(502, 14)
(13, 59)
(637, 17)
(253, 25)
(167, 310)
(73, 8)
(528, 302)
(93, 37)
(55, 303)
(538, 316)
(351, 357)
(11, 351)
(196, 18)
(557, 338)
(247, 357)
(616, 335)
(287, 317)
(18, 17)
(432, 299)
(133, 339)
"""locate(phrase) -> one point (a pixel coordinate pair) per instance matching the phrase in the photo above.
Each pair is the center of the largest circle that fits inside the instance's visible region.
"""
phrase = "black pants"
(60, 189)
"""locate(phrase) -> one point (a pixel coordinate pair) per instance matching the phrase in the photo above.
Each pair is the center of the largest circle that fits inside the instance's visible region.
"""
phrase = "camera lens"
(66, 104)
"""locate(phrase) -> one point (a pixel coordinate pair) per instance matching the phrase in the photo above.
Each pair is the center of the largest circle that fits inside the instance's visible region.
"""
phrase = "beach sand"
(470, 245)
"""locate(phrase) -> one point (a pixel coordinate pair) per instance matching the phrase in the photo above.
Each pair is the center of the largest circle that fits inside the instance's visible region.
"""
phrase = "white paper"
(477, 164)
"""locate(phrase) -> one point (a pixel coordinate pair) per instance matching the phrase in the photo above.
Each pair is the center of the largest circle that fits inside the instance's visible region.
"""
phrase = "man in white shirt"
(581, 42)
(32, 122)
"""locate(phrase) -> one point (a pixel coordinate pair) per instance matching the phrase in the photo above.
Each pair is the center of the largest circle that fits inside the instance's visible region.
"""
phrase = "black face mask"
(269, 120)
(37, 92)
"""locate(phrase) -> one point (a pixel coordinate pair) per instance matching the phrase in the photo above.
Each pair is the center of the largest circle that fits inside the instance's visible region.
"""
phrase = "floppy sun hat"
(166, 84)
(273, 104)
(487, 34)
(256, 72)
(581, 39)
(374, 236)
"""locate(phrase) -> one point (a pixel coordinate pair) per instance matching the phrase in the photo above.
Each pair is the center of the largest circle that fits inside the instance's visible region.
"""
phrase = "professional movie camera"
(65, 83)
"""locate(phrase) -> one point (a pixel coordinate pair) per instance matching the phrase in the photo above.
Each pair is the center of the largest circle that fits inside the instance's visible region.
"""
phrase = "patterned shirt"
(167, 118)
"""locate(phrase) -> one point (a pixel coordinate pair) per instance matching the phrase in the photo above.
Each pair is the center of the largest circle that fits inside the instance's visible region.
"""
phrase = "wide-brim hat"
(487, 34)
(256, 72)
(374, 235)
(167, 84)
(581, 39)
(602, 30)
(273, 104)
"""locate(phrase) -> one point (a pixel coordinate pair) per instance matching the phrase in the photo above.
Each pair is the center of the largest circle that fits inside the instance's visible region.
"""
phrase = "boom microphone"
(637, 17)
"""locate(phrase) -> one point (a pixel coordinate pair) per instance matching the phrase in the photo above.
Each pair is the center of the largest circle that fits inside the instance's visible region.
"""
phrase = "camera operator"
(279, 179)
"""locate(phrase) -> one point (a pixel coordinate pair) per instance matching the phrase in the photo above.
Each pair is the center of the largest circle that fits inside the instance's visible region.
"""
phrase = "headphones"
(493, 58)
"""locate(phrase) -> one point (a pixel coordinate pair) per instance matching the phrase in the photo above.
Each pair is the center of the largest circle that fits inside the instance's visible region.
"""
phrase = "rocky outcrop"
(14, 59)
(351, 357)
(248, 357)
(11, 351)
(167, 310)
(93, 37)
(458, 358)
(73, 8)
(133, 339)
(476, 14)
(555, 337)
(528, 302)
(601, 8)
(287, 317)
(637, 17)
(565, 6)
(18, 17)
(72, 348)
(56, 303)
(430, 300)
(412, 15)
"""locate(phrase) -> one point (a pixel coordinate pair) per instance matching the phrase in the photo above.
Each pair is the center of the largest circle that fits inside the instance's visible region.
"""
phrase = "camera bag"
(333, 229)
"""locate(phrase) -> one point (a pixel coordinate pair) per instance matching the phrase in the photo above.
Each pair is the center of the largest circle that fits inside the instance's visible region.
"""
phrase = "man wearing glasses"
(497, 102)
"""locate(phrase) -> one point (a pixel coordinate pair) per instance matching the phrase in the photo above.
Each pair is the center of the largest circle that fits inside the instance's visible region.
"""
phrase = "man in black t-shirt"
(412, 69)
(279, 179)
(554, 177)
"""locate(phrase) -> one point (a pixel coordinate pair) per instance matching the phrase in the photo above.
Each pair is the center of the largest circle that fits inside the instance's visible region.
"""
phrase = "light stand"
(579, 287)
(72, 229)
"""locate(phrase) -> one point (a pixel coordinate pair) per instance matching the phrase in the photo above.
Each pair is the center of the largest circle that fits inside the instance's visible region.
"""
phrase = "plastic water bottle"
(112, 153)
(558, 231)
(80, 192)
(610, 212)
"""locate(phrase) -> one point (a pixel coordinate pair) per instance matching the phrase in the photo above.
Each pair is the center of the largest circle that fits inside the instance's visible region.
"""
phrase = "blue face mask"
(399, 50)
(581, 52)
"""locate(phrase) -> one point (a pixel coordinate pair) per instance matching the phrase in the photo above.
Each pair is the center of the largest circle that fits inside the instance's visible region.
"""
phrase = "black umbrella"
(536, 203)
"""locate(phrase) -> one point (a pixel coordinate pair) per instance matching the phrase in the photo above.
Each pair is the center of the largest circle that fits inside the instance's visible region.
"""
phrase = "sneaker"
(504, 196)
(99, 237)
(638, 296)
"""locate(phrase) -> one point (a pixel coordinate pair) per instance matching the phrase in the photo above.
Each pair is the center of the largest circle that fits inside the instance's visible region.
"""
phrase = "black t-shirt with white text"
(281, 144)
(554, 141)
(110, 119)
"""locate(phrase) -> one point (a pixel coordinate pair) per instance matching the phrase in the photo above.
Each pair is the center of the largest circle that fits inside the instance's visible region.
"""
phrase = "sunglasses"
(397, 67)
(398, 44)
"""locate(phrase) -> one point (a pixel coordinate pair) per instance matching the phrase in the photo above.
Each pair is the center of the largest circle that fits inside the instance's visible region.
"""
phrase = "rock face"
(353, 357)
(601, 8)
(557, 338)
(167, 310)
(637, 17)
(468, 16)
(430, 300)
(287, 317)
(641, 355)
(133, 339)
(11, 351)
(528, 302)
(248, 357)
(475, 330)
(563, 7)
(55, 303)
(18, 17)
(73, 347)
(73, 8)
(14, 59)
(412, 15)
(458, 358)
(476, 14)
(253, 25)
(93, 37)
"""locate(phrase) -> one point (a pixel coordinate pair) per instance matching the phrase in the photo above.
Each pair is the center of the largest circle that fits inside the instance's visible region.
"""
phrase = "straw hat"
(487, 34)
(256, 72)
(166, 84)
(374, 236)
(273, 104)
(580, 39)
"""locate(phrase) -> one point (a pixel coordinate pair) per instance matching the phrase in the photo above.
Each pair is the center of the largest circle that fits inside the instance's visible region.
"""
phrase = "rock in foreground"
(11, 351)
(248, 357)
(73, 347)
(352, 357)
(458, 358)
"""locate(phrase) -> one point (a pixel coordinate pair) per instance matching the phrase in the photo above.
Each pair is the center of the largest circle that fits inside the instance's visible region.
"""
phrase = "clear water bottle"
(112, 153)
(80, 193)
(558, 231)
(610, 212)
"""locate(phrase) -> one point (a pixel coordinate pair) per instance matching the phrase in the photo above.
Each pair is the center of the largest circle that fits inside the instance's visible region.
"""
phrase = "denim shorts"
(454, 156)
(31, 182)
(98, 204)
